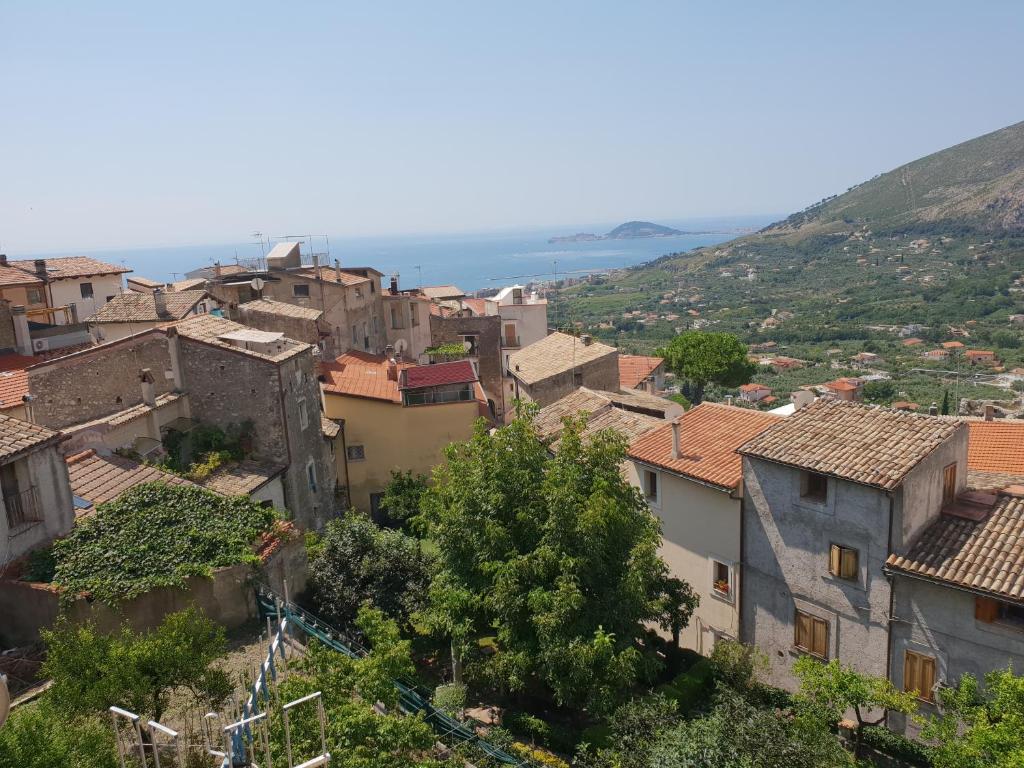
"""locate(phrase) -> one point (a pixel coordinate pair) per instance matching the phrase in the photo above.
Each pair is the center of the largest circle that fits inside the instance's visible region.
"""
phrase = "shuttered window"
(949, 485)
(986, 609)
(919, 675)
(811, 634)
(843, 562)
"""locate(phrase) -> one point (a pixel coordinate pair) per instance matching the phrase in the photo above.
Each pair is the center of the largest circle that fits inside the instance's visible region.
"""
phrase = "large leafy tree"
(359, 562)
(92, 671)
(834, 689)
(556, 556)
(703, 358)
(979, 731)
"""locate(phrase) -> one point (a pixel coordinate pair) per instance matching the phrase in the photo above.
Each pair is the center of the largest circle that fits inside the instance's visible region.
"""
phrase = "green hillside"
(937, 243)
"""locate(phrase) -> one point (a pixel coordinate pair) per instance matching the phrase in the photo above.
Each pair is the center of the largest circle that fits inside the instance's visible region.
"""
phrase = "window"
(721, 578)
(651, 485)
(356, 453)
(86, 289)
(919, 675)
(949, 485)
(300, 290)
(355, 335)
(517, 295)
(373, 288)
(303, 414)
(842, 562)
(470, 343)
(990, 611)
(110, 298)
(412, 313)
(359, 292)
(374, 318)
(366, 337)
(396, 318)
(35, 296)
(577, 378)
(811, 634)
(813, 486)
(311, 476)
(510, 335)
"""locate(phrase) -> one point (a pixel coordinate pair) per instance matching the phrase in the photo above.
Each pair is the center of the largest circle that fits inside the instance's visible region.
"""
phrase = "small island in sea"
(629, 230)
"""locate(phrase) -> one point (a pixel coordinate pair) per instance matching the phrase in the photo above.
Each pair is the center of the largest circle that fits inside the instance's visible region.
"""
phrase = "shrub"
(451, 699)
(897, 746)
(40, 565)
(157, 535)
(37, 737)
(527, 726)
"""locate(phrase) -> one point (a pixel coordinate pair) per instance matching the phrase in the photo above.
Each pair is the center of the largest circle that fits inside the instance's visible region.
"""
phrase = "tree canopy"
(703, 357)
(555, 556)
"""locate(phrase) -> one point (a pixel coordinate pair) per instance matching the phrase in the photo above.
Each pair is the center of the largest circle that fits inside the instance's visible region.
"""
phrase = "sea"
(472, 261)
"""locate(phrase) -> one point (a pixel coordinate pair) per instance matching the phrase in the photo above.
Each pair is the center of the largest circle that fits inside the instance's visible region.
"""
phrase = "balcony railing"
(23, 508)
(428, 397)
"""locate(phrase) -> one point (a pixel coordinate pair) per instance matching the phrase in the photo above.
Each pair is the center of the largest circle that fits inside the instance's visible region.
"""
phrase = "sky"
(138, 123)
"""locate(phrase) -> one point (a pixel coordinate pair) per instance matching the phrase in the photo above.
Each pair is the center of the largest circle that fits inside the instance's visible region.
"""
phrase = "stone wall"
(487, 329)
(96, 382)
(8, 342)
(601, 374)
(298, 328)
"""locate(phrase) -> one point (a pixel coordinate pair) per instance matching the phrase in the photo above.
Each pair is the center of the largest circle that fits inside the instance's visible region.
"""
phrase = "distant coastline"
(634, 230)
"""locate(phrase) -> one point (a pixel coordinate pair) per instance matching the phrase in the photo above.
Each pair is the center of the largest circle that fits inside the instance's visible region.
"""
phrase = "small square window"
(86, 289)
(721, 579)
(356, 453)
(651, 486)
(577, 378)
(35, 296)
(813, 487)
(842, 562)
(811, 634)
(300, 290)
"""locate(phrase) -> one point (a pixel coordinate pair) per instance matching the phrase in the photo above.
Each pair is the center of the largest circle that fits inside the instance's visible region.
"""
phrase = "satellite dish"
(5, 700)
(257, 283)
(400, 346)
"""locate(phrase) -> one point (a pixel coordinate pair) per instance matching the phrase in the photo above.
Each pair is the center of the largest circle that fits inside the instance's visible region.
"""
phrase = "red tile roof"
(634, 369)
(479, 306)
(980, 353)
(844, 385)
(952, 345)
(14, 380)
(996, 446)
(753, 387)
(75, 266)
(16, 276)
(708, 438)
(456, 372)
(359, 374)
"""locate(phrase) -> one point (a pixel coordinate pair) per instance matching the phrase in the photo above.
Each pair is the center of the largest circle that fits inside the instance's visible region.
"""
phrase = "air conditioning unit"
(40, 345)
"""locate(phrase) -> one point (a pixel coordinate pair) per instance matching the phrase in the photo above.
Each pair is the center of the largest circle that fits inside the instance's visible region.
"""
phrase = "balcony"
(430, 397)
(23, 509)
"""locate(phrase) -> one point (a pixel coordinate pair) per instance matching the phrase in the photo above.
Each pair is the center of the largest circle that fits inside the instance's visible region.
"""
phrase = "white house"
(754, 393)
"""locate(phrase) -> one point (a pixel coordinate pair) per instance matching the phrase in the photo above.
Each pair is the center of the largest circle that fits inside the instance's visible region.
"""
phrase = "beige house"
(691, 475)
(551, 368)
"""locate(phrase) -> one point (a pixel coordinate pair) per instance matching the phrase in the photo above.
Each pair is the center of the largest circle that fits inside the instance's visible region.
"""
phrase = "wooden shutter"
(918, 675)
(820, 644)
(986, 609)
(949, 485)
(848, 565)
(835, 559)
(803, 631)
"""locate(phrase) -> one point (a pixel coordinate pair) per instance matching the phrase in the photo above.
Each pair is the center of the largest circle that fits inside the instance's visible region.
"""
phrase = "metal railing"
(23, 508)
(427, 398)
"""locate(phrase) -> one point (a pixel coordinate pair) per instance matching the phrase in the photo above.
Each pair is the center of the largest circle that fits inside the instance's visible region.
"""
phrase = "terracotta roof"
(14, 380)
(980, 353)
(189, 284)
(128, 415)
(634, 369)
(952, 345)
(548, 420)
(330, 275)
(996, 446)
(17, 436)
(864, 444)
(555, 354)
(329, 427)
(359, 374)
(145, 282)
(97, 479)
(912, 342)
(984, 556)
(135, 307)
(240, 478)
(439, 311)
(15, 276)
(282, 308)
(843, 385)
(455, 372)
(209, 329)
(753, 387)
(61, 268)
(627, 423)
(442, 291)
(708, 438)
(479, 306)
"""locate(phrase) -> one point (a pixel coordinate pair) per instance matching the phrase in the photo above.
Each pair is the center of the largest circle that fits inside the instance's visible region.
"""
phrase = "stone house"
(551, 368)
(629, 413)
(691, 475)
(131, 312)
(481, 338)
(36, 494)
(829, 494)
(407, 322)
(295, 322)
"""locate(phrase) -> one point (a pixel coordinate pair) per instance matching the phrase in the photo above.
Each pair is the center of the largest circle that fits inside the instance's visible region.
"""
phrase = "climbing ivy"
(157, 535)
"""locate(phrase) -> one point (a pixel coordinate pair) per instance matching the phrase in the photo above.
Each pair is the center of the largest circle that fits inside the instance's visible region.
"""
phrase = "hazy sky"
(144, 123)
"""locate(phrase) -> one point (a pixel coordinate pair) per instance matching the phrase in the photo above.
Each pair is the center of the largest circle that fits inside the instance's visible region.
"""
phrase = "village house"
(845, 388)
(829, 494)
(551, 368)
(480, 338)
(141, 284)
(980, 356)
(913, 341)
(407, 322)
(754, 393)
(952, 345)
(295, 322)
(691, 475)
(631, 413)
(863, 358)
(60, 291)
(34, 488)
(399, 417)
(132, 312)
(642, 372)
(936, 354)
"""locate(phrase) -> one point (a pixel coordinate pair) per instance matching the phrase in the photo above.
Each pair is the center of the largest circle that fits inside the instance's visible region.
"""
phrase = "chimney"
(392, 369)
(675, 439)
(160, 302)
(990, 411)
(40, 265)
(337, 270)
(389, 351)
(22, 338)
(393, 290)
(3, 259)
(148, 387)
(216, 269)
(316, 266)
(728, 399)
(933, 409)
(586, 338)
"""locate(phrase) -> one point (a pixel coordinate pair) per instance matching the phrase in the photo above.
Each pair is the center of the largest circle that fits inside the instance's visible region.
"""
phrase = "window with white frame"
(721, 579)
(650, 480)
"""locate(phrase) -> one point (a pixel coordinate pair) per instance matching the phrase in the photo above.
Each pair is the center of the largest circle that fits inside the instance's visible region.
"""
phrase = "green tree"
(92, 671)
(402, 496)
(358, 562)
(556, 556)
(979, 731)
(703, 357)
(632, 732)
(37, 736)
(834, 689)
(882, 391)
(944, 410)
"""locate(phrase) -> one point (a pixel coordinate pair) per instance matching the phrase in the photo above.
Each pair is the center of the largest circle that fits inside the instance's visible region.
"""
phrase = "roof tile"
(555, 354)
(634, 369)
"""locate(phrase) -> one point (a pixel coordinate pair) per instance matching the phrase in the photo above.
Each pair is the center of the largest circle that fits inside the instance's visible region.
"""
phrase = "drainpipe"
(892, 602)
